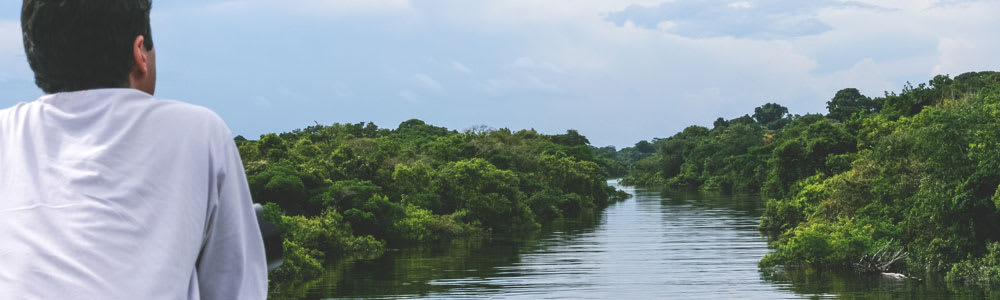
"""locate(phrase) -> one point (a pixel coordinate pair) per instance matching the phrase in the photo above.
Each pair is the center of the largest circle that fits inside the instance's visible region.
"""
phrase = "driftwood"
(881, 261)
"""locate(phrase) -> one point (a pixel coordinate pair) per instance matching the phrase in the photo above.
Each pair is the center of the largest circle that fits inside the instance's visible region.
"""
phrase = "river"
(656, 245)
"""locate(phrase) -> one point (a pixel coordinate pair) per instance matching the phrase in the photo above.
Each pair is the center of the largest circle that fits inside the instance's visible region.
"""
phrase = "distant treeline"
(912, 176)
(355, 189)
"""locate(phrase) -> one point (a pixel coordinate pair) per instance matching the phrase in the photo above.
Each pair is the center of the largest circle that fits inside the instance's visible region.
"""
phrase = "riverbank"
(648, 247)
(658, 245)
(356, 190)
(914, 173)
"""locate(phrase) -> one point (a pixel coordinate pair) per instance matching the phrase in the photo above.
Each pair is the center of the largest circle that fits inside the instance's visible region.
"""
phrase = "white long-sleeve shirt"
(112, 194)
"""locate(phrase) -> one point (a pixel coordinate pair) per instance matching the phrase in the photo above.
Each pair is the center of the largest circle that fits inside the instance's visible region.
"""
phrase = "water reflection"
(458, 269)
(742, 205)
(848, 285)
(661, 244)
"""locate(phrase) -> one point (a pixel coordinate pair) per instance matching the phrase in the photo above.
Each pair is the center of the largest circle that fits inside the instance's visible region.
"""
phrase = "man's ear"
(140, 56)
(143, 74)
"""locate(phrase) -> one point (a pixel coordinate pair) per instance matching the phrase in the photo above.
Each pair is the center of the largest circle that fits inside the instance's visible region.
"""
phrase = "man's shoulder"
(184, 113)
(5, 111)
(181, 108)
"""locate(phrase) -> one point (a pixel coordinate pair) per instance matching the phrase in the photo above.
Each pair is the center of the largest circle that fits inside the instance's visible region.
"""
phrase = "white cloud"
(966, 33)
(901, 4)
(740, 4)
(742, 19)
(953, 37)
(514, 14)
(960, 55)
(573, 51)
(616, 83)
(427, 82)
(313, 7)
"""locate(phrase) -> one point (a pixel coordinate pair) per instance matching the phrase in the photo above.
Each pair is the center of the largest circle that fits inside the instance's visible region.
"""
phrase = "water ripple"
(654, 246)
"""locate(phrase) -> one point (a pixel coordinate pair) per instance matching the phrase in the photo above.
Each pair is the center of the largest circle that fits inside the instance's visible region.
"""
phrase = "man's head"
(75, 45)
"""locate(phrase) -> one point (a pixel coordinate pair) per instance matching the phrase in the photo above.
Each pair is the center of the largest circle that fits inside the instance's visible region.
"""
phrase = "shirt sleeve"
(232, 264)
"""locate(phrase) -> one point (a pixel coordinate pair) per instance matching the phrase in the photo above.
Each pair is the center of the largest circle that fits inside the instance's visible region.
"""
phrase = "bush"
(421, 225)
(310, 240)
(822, 244)
(781, 215)
(983, 271)
(298, 264)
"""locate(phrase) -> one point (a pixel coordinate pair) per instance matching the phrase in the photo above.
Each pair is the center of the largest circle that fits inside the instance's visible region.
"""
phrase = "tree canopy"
(355, 189)
(849, 102)
(916, 173)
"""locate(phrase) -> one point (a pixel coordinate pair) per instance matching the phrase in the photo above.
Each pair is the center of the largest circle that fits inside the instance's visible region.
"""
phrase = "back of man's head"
(75, 45)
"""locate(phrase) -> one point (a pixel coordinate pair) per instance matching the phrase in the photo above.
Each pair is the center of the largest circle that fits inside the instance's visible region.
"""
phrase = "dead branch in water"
(880, 261)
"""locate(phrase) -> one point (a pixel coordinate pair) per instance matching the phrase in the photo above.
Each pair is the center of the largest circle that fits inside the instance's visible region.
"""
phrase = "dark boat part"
(272, 239)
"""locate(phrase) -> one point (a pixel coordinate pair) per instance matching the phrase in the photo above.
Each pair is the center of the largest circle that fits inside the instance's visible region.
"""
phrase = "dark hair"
(77, 45)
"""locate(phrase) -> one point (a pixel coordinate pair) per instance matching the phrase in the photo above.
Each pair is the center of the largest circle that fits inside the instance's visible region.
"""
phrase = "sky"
(616, 71)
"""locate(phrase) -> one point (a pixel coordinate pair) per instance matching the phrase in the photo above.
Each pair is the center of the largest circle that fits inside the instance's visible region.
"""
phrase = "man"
(107, 193)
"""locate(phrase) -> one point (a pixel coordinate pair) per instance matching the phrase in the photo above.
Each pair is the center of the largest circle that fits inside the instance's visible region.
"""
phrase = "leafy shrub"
(297, 264)
(421, 225)
(984, 271)
(822, 244)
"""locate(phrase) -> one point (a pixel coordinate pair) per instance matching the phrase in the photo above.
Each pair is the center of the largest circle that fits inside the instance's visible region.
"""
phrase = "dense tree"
(849, 102)
(744, 119)
(916, 172)
(645, 147)
(571, 138)
(720, 122)
(770, 115)
(355, 189)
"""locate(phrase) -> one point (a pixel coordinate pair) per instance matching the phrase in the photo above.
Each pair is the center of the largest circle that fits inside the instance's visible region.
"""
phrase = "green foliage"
(724, 158)
(645, 147)
(915, 173)
(375, 216)
(850, 102)
(272, 147)
(984, 271)
(802, 150)
(422, 225)
(310, 240)
(350, 194)
(771, 115)
(921, 178)
(822, 244)
(283, 185)
(490, 195)
(348, 190)
(618, 163)
(571, 138)
(782, 215)
(299, 264)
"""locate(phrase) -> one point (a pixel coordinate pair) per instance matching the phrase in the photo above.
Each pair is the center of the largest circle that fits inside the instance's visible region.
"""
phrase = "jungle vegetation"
(914, 174)
(353, 190)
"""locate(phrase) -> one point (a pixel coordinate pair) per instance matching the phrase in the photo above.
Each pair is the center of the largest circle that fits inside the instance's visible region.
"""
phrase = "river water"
(657, 245)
